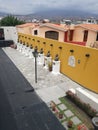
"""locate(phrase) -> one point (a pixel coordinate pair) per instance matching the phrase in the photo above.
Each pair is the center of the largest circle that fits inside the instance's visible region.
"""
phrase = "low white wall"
(87, 98)
(10, 33)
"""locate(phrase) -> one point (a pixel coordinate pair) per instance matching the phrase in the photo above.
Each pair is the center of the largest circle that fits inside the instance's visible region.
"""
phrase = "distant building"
(65, 21)
(91, 21)
(1, 18)
(35, 21)
(45, 21)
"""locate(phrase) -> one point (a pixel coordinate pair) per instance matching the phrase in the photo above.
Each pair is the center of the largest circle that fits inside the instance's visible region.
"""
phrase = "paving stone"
(68, 113)
(45, 79)
(57, 101)
(62, 107)
(76, 120)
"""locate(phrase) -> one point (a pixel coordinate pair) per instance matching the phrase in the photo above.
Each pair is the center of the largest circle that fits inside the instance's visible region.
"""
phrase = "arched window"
(52, 35)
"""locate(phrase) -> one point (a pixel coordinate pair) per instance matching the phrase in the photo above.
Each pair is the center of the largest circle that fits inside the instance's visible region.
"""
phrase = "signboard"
(71, 61)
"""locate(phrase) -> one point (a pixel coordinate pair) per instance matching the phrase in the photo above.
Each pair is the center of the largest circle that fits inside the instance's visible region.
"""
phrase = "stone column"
(56, 67)
(41, 59)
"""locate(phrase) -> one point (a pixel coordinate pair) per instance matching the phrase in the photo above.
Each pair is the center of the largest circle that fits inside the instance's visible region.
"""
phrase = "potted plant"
(70, 124)
(50, 66)
(60, 115)
(56, 57)
(31, 46)
(41, 51)
(48, 54)
(53, 106)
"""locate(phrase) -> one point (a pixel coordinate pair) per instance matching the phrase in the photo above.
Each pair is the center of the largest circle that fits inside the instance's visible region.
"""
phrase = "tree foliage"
(10, 21)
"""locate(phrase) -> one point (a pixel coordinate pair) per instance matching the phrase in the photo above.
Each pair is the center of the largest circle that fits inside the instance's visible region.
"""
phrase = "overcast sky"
(32, 6)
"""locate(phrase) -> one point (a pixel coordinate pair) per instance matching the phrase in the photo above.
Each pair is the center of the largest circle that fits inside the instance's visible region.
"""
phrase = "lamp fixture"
(87, 55)
(60, 47)
(71, 50)
(38, 41)
(51, 44)
(44, 42)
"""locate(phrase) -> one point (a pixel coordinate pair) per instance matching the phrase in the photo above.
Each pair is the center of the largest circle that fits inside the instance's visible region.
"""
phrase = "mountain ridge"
(62, 13)
(56, 14)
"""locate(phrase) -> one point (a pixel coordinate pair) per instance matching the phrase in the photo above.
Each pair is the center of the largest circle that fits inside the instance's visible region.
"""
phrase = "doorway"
(1, 34)
(85, 35)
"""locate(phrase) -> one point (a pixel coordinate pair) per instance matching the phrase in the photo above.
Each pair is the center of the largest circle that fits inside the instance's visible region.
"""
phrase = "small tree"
(10, 21)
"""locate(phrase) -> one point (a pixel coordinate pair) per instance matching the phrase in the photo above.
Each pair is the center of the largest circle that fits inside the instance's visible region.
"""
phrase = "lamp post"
(35, 54)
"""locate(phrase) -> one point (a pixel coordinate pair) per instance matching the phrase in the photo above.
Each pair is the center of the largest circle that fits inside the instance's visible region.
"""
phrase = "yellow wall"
(84, 73)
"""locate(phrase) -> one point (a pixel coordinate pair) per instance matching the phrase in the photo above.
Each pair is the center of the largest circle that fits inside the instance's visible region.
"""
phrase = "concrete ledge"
(87, 98)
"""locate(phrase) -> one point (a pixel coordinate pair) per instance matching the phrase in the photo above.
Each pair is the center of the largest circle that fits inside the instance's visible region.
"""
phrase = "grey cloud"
(30, 6)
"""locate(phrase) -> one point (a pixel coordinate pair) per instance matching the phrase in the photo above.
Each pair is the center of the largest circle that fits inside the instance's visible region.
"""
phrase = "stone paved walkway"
(49, 86)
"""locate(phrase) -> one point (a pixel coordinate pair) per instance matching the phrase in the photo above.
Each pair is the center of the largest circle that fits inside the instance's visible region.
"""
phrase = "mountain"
(55, 15)
(3, 14)
(62, 14)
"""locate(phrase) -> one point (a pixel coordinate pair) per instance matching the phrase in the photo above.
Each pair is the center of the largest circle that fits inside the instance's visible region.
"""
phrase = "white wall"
(10, 33)
(87, 98)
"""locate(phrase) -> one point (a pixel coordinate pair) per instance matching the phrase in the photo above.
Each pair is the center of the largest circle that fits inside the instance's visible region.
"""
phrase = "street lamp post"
(35, 54)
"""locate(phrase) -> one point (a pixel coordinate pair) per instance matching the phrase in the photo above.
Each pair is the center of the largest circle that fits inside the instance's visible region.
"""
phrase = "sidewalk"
(49, 86)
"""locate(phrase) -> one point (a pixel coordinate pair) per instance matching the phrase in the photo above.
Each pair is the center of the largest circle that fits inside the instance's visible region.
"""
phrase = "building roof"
(55, 26)
(26, 25)
(93, 27)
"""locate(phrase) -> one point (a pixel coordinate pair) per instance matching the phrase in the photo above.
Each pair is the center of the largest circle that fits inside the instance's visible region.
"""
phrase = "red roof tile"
(93, 27)
(26, 25)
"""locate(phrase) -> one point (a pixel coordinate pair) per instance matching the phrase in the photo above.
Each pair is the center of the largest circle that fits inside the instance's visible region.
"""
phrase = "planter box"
(95, 122)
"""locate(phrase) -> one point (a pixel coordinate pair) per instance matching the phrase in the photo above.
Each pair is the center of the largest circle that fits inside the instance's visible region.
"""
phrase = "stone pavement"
(49, 86)
(67, 114)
